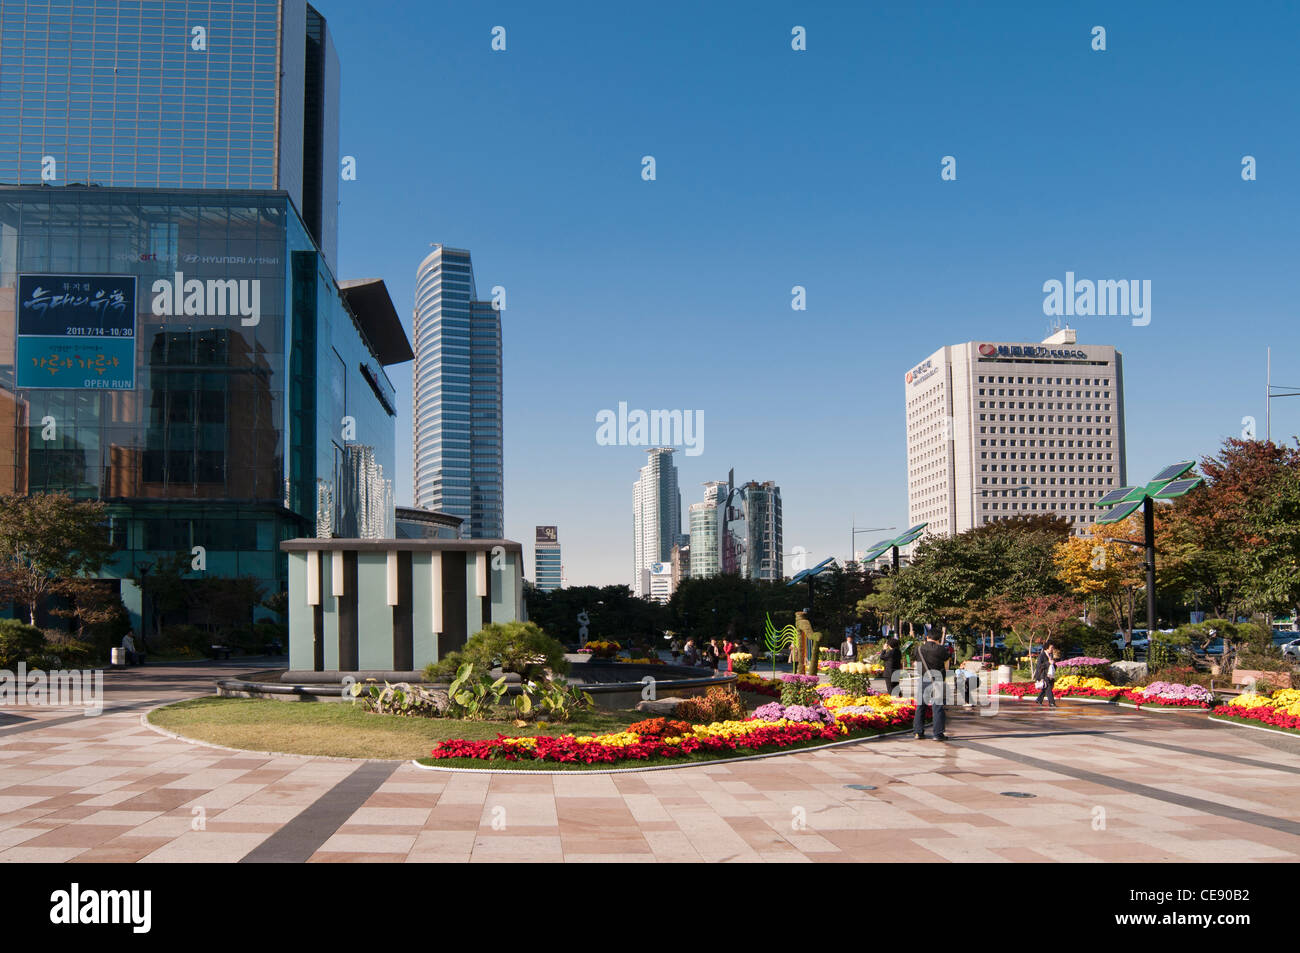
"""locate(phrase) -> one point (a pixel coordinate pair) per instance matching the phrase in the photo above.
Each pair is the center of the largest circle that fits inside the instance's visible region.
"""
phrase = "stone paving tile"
(109, 789)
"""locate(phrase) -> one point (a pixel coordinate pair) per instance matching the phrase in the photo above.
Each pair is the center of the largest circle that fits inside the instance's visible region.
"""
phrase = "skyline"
(666, 294)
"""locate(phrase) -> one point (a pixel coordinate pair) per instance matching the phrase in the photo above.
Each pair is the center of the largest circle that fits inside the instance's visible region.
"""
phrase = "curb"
(1269, 728)
(582, 772)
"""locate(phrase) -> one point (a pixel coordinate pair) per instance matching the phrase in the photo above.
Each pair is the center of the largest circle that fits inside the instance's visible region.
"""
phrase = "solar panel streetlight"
(878, 549)
(1168, 484)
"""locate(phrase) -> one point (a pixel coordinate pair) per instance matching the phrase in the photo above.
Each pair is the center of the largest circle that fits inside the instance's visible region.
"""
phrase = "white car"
(1291, 649)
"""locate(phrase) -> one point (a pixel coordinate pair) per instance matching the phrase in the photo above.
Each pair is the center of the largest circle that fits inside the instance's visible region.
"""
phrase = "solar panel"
(1114, 496)
(1174, 470)
(803, 576)
(908, 538)
(1136, 495)
(1177, 488)
(876, 550)
(1119, 513)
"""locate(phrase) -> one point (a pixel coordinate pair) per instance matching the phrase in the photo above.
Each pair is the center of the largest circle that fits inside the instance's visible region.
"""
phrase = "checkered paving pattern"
(110, 789)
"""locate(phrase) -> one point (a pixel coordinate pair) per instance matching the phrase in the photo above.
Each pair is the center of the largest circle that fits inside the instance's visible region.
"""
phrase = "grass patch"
(341, 730)
(1256, 724)
(698, 757)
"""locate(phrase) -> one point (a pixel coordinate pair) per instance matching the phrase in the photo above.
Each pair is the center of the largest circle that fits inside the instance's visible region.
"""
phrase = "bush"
(1177, 674)
(71, 652)
(800, 690)
(853, 684)
(184, 640)
(659, 727)
(718, 704)
(20, 642)
(519, 647)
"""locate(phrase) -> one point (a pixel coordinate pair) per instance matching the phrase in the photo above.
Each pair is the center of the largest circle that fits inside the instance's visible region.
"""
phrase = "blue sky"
(821, 168)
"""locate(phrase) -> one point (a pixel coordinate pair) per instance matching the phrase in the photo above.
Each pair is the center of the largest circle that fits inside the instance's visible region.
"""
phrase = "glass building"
(706, 551)
(210, 94)
(656, 517)
(762, 554)
(188, 358)
(548, 572)
(456, 396)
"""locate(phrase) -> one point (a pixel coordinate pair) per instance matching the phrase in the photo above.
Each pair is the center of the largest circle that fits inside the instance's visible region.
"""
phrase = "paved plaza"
(1107, 784)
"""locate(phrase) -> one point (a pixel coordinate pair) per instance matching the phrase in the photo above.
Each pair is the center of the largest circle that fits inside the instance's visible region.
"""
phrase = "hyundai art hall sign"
(75, 331)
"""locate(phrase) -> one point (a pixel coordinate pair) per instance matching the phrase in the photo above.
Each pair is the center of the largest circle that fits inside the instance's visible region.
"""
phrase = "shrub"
(854, 684)
(799, 690)
(20, 642)
(400, 699)
(717, 704)
(519, 647)
(659, 727)
(741, 662)
(71, 652)
(1178, 674)
(185, 640)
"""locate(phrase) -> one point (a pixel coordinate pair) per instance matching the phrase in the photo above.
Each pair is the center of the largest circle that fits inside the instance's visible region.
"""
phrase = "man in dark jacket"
(932, 666)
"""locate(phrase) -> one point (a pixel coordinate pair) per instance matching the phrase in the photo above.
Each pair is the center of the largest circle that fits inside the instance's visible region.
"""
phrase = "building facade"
(762, 555)
(705, 517)
(188, 358)
(173, 94)
(456, 396)
(999, 430)
(548, 570)
(656, 517)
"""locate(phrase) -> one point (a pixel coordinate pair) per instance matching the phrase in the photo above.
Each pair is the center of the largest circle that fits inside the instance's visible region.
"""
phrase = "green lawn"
(343, 730)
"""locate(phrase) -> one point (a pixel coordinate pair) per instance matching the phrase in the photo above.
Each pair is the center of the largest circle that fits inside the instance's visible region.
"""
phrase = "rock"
(1125, 673)
(660, 706)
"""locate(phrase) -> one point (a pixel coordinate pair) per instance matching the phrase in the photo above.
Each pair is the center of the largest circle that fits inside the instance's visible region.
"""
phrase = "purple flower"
(800, 679)
(829, 691)
(1080, 660)
(772, 711)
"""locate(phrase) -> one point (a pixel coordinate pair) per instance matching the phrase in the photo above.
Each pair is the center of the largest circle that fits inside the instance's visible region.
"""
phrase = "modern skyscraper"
(656, 517)
(547, 569)
(998, 430)
(173, 94)
(706, 550)
(457, 396)
(762, 557)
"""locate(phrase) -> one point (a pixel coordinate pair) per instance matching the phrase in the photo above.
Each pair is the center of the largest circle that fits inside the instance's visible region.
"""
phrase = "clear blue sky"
(821, 168)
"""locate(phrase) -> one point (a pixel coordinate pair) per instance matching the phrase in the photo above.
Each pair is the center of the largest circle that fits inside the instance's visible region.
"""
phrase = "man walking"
(932, 667)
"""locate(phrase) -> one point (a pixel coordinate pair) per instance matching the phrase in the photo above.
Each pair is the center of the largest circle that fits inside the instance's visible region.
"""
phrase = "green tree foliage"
(519, 647)
(48, 541)
(612, 613)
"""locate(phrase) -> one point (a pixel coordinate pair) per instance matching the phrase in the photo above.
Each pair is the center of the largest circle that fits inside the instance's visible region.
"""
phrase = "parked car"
(1291, 649)
(1140, 640)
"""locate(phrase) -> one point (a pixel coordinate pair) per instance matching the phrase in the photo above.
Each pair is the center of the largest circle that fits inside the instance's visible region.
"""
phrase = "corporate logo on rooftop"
(213, 298)
(1032, 351)
(922, 371)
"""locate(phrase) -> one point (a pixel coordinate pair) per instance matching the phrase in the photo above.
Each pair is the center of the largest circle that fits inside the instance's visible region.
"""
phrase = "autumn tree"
(1098, 565)
(48, 542)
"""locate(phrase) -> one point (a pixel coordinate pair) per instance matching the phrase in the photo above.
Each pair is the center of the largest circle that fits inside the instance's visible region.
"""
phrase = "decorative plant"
(472, 698)
(717, 704)
(559, 701)
(776, 640)
(400, 699)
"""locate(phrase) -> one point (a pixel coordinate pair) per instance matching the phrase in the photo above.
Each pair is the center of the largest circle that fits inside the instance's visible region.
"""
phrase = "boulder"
(1125, 673)
(661, 707)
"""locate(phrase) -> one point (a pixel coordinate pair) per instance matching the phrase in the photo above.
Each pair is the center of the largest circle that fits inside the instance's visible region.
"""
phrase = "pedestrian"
(892, 658)
(691, 652)
(849, 648)
(1045, 675)
(932, 668)
(676, 647)
(727, 648)
(128, 649)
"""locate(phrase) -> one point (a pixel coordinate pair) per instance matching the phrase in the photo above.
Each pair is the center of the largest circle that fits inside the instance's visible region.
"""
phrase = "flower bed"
(1086, 666)
(1170, 695)
(659, 738)
(1157, 694)
(741, 662)
(1279, 710)
(747, 682)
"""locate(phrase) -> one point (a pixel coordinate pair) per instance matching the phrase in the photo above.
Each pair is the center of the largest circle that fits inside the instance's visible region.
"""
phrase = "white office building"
(656, 517)
(997, 430)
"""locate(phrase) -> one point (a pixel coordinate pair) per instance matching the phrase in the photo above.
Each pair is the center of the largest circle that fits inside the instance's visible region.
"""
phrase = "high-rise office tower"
(456, 397)
(998, 430)
(174, 94)
(547, 568)
(656, 518)
(706, 550)
(763, 540)
(166, 286)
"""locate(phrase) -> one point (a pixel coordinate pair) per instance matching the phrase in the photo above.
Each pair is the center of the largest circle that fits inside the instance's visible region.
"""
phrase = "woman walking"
(1045, 674)
(727, 648)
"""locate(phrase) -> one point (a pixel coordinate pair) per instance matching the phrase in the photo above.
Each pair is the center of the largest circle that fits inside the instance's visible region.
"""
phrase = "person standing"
(930, 684)
(691, 653)
(727, 648)
(891, 656)
(848, 649)
(1045, 674)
